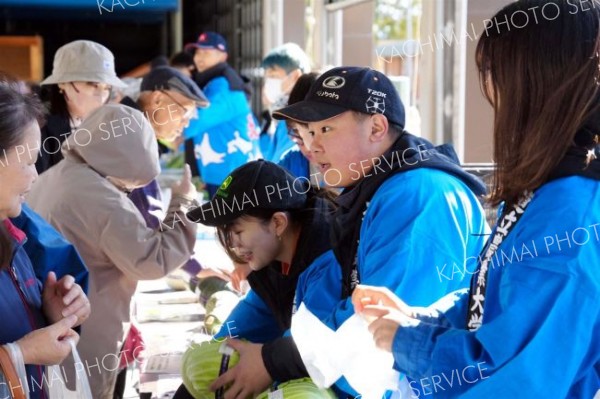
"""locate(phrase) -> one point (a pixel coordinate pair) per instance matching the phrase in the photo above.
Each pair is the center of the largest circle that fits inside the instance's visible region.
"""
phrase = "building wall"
(479, 116)
(357, 38)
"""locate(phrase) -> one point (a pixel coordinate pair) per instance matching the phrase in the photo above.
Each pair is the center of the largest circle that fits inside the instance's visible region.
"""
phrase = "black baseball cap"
(347, 89)
(257, 184)
(167, 78)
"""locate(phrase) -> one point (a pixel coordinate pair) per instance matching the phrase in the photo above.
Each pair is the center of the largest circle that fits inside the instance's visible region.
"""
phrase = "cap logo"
(328, 94)
(107, 65)
(377, 93)
(334, 82)
(222, 191)
(375, 105)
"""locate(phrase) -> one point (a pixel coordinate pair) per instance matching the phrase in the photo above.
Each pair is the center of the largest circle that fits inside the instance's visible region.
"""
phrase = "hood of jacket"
(406, 153)
(117, 142)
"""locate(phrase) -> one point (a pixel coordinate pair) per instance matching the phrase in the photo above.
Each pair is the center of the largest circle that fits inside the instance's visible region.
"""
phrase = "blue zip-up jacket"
(274, 145)
(400, 227)
(540, 335)
(21, 305)
(48, 250)
(418, 222)
(295, 162)
(225, 134)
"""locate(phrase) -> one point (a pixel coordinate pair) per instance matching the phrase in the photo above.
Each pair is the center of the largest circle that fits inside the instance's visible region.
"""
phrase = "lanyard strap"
(479, 281)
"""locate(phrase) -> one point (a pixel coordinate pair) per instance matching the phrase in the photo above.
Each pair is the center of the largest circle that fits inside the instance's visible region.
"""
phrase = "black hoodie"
(281, 357)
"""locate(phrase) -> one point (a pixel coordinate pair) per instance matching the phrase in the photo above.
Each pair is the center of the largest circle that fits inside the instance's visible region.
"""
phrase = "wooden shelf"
(23, 57)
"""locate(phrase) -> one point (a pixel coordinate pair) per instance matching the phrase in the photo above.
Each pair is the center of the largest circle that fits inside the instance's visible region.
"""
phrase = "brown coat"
(84, 198)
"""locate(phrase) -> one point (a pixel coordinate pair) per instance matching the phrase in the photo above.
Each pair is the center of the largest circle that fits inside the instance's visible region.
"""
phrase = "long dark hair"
(296, 216)
(16, 112)
(540, 71)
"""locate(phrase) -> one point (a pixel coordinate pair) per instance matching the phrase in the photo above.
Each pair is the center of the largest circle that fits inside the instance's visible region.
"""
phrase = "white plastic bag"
(350, 352)
(57, 389)
(17, 359)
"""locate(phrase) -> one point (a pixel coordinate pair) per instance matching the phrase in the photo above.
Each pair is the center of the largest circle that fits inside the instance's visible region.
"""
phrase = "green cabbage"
(302, 388)
(200, 367)
(218, 308)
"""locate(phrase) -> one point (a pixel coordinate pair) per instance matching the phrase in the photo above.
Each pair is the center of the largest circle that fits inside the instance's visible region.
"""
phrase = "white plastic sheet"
(350, 352)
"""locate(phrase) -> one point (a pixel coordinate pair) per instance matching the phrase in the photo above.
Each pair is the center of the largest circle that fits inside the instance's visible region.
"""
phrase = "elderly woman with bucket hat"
(82, 78)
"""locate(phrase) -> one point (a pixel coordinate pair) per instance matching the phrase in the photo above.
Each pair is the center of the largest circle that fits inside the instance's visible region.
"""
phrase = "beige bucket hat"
(86, 61)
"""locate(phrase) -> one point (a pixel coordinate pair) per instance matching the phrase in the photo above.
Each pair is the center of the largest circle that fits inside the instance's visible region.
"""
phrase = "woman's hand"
(64, 298)
(239, 275)
(365, 295)
(384, 311)
(247, 378)
(49, 345)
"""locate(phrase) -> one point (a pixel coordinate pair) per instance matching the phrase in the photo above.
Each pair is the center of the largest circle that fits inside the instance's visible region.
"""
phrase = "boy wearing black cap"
(407, 210)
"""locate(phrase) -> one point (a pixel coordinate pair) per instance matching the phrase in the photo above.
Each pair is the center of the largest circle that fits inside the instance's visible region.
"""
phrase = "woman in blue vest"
(26, 306)
(529, 326)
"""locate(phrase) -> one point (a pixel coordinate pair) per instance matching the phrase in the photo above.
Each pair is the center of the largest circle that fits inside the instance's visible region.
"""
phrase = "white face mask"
(273, 90)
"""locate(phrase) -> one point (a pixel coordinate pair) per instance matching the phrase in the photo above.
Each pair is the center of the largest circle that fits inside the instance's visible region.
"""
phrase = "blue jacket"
(411, 238)
(225, 134)
(417, 222)
(541, 326)
(48, 250)
(265, 314)
(274, 145)
(21, 305)
(295, 162)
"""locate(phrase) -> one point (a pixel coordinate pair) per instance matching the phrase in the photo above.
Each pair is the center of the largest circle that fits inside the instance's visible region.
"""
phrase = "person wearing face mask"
(225, 135)
(283, 66)
(82, 78)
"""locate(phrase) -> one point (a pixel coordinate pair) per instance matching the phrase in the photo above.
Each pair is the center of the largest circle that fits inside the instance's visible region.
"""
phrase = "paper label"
(225, 349)
(278, 394)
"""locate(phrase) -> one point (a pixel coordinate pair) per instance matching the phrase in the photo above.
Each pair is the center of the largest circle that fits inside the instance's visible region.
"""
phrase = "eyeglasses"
(187, 113)
(94, 86)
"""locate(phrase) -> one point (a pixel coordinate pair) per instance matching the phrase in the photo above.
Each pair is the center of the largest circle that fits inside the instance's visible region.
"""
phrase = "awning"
(103, 7)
